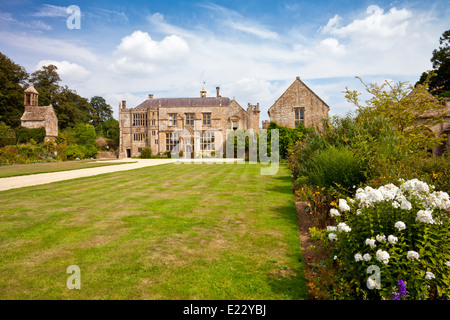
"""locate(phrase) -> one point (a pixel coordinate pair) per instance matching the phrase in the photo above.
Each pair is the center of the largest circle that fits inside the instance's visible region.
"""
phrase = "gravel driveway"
(43, 178)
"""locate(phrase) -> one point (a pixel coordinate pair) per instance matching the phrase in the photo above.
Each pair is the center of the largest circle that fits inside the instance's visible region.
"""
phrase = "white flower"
(332, 236)
(395, 204)
(358, 257)
(371, 243)
(429, 275)
(405, 205)
(367, 257)
(392, 239)
(343, 227)
(331, 228)
(335, 257)
(383, 256)
(412, 255)
(358, 212)
(447, 263)
(334, 213)
(343, 205)
(381, 238)
(425, 216)
(400, 225)
(439, 200)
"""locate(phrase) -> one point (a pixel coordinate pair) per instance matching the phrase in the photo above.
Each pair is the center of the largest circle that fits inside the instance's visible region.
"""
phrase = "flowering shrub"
(403, 232)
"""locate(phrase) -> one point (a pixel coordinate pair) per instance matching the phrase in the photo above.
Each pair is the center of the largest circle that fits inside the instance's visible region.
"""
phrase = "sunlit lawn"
(186, 231)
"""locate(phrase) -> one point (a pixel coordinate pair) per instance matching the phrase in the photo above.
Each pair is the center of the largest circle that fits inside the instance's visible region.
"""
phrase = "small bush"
(146, 153)
(73, 151)
(337, 168)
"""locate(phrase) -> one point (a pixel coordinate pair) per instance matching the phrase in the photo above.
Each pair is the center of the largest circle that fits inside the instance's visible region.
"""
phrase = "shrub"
(24, 135)
(73, 151)
(146, 153)
(335, 167)
(401, 231)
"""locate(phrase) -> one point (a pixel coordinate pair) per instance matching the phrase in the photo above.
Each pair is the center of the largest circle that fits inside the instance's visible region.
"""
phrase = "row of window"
(139, 136)
(206, 141)
(141, 119)
(206, 117)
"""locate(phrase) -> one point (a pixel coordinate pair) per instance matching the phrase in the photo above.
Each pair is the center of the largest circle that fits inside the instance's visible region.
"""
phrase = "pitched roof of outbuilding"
(37, 113)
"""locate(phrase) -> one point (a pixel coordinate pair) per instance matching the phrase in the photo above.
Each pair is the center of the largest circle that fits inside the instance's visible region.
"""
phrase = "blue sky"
(253, 50)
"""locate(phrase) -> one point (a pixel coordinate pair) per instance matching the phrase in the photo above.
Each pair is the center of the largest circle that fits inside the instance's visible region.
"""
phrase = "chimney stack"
(150, 96)
(124, 104)
(218, 89)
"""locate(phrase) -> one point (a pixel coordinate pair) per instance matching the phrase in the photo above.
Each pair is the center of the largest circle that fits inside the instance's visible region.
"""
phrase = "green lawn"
(174, 231)
(24, 169)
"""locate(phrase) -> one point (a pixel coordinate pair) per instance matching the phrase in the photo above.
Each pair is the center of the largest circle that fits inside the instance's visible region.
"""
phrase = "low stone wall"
(107, 155)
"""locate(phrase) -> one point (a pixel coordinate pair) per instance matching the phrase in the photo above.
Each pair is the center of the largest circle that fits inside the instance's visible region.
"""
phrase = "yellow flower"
(435, 175)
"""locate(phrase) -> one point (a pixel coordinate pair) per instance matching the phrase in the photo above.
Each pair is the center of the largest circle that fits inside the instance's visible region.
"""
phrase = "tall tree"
(439, 77)
(46, 81)
(71, 108)
(12, 84)
(102, 111)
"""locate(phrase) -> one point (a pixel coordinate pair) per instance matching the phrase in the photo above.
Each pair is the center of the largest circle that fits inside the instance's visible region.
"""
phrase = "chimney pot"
(150, 96)
(218, 89)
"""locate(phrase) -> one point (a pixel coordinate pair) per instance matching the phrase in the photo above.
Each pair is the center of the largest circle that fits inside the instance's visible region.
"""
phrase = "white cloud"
(376, 24)
(51, 11)
(67, 71)
(141, 54)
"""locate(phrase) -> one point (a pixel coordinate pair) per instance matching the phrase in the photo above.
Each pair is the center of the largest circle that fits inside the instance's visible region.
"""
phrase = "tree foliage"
(12, 81)
(439, 77)
(411, 110)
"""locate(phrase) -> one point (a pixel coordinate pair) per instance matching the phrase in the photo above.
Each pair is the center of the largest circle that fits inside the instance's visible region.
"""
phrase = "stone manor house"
(200, 125)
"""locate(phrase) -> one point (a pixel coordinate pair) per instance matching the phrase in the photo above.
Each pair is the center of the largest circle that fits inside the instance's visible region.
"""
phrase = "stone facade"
(197, 125)
(36, 116)
(298, 104)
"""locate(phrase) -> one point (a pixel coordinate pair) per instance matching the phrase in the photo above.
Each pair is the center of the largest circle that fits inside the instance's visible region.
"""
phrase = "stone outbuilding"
(298, 104)
(36, 116)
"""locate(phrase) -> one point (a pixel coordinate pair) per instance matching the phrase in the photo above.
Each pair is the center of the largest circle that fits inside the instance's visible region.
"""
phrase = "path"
(43, 178)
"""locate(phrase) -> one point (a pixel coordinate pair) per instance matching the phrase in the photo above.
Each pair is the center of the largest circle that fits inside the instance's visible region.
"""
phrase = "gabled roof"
(31, 89)
(37, 113)
(184, 102)
(303, 84)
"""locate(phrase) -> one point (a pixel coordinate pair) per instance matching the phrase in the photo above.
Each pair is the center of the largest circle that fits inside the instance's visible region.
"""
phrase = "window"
(140, 119)
(189, 119)
(153, 133)
(172, 140)
(139, 136)
(207, 141)
(172, 119)
(234, 125)
(299, 116)
(153, 122)
(207, 119)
